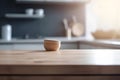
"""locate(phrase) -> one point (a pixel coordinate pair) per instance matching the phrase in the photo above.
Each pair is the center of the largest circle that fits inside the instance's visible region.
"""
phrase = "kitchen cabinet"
(65, 44)
(29, 46)
(90, 46)
(70, 45)
(6, 46)
(36, 46)
(97, 45)
(40, 46)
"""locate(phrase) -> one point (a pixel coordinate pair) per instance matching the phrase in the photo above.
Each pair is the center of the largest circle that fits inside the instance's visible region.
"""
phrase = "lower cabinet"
(70, 45)
(36, 46)
(41, 46)
(90, 46)
(6, 46)
(64, 45)
(96, 46)
(28, 47)
(59, 77)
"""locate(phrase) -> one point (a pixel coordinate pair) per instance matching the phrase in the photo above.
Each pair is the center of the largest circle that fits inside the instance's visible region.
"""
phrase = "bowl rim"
(51, 40)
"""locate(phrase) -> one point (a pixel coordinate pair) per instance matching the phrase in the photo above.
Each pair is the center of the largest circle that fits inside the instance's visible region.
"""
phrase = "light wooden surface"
(61, 65)
(62, 57)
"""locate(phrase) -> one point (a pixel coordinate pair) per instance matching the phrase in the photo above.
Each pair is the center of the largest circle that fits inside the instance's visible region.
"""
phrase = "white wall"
(102, 14)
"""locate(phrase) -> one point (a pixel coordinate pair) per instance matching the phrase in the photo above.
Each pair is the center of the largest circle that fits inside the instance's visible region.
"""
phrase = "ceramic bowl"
(52, 45)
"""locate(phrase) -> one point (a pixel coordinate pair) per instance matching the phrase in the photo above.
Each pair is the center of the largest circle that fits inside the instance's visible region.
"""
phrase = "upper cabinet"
(52, 1)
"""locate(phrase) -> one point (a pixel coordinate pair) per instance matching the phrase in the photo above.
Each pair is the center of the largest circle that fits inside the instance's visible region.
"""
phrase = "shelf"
(52, 1)
(13, 15)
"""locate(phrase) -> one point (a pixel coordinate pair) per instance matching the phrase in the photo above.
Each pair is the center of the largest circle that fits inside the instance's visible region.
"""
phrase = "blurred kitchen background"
(95, 24)
(50, 25)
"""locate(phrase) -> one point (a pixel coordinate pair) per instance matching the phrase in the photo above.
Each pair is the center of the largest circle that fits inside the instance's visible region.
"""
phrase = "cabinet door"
(90, 46)
(69, 45)
(6, 46)
(28, 47)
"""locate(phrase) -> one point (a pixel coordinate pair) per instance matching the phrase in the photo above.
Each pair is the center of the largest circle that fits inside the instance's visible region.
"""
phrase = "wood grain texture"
(73, 62)
(62, 57)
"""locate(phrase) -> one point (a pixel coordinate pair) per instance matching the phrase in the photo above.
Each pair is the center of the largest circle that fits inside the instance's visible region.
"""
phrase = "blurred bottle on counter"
(7, 32)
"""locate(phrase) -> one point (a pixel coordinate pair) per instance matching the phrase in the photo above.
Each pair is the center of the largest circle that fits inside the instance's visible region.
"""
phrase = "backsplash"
(50, 25)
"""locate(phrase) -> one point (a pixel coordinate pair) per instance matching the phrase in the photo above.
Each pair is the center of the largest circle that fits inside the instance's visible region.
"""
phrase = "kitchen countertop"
(110, 43)
(60, 62)
(62, 57)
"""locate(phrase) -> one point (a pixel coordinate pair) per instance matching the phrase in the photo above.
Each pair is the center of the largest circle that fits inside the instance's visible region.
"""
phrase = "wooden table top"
(62, 57)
